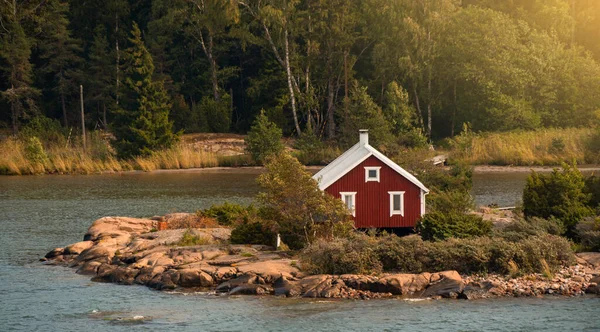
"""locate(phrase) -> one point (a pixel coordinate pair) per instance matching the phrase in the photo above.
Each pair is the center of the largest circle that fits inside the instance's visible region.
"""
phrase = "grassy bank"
(21, 157)
(526, 148)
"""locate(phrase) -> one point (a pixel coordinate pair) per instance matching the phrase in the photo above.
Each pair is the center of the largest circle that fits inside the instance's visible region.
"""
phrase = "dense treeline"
(402, 67)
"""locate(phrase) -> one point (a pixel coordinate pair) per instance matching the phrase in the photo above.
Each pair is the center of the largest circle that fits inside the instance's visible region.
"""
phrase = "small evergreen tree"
(142, 123)
(264, 138)
(402, 117)
(364, 113)
(100, 75)
(559, 194)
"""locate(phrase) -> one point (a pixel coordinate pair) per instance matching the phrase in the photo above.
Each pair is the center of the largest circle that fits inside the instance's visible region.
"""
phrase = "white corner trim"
(343, 195)
(396, 212)
(372, 168)
(423, 194)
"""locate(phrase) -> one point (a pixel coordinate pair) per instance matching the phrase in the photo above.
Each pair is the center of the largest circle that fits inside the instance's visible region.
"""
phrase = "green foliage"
(44, 128)
(363, 113)
(293, 199)
(341, 256)
(449, 202)
(390, 253)
(592, 151)
(588, 231)
(402, 117)
(216, 113)
(34, 151)
(559, 194)
(436, 226)
(592, 188)
(521, 229)
(264, 139)
(189, 239)
(226, 213)
(253, 232)
(143, 125)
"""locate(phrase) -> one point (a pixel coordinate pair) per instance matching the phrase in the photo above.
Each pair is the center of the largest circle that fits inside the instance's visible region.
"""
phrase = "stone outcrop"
(130, 251)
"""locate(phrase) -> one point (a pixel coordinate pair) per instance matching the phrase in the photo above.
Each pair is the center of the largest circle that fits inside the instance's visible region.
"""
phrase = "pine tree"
(15, 51)
(142, 123)
(59, 52)
(100, 75)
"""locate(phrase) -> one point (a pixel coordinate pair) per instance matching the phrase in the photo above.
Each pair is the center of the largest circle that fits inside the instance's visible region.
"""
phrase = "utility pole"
(82, 117)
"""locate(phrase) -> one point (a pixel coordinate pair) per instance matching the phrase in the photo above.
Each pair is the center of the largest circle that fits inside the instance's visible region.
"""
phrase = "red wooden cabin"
(377, 191)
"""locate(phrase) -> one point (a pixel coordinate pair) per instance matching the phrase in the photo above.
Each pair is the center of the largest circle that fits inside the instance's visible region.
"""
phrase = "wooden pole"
(82, 117)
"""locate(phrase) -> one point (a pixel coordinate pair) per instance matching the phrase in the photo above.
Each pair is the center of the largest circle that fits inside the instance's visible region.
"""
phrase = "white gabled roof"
(352, 158)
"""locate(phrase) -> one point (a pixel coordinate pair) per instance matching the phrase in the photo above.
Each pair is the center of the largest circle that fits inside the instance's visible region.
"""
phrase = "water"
(38, 213)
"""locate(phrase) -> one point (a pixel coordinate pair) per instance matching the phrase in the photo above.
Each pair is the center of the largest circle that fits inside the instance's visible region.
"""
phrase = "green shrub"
(226, 213)
(341, 256)
(588, 231)
(592, 188)
(264, 138)
(45, 129)
(34, 151)
(592, 148)
(522, 228)
(559, 194)
(438, 226)
(401, 253)
(189, 239)
(446, 202)
(216, 113)
(253, 232)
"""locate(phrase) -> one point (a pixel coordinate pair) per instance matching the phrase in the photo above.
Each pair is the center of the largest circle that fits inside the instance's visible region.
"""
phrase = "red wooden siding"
(372, 198)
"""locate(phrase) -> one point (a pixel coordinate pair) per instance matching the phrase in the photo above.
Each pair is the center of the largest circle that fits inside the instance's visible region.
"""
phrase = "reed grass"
(99, 158)
(526, 148)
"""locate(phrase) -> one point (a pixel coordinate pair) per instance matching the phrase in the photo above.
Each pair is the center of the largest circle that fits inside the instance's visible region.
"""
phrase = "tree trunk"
(118, 57)
(454, 113)
(105, 125)
(64, 109)
(330, 109)
(429, 109)
(288, 71)
(15, 116)
(213, 68)
(418, 106)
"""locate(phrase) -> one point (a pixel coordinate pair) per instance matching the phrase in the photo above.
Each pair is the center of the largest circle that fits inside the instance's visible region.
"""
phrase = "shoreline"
(479, 169)
(130, 251)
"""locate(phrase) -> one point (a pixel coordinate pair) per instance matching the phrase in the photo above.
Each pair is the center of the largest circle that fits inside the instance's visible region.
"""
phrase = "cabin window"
(396, 203)
(372, 174)
(349, 199)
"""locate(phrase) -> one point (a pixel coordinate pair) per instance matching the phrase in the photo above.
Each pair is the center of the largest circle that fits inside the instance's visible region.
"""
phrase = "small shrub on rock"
(253, 232)
(588, 231)
(438, 226)
(226, 213)
(341, 256)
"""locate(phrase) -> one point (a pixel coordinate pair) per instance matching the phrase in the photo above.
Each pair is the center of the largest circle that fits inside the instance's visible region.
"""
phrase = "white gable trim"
(352, 158)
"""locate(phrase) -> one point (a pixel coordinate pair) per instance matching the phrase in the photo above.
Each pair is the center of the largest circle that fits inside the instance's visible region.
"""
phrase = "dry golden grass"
(97, 159)
(527, 148)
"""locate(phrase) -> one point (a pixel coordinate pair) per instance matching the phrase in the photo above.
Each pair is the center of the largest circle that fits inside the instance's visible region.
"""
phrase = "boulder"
(231, 284)
(595, 280)
(78, 248)
(285, 287)
(89, 268)
(475, 291)
(592, 258)
(98, 253)
(54, 253)
(111, 227)
(165, 281)
(251, 289)
(147, 274)
(593, 290)
(450, 285)
(271, 270)
(358, 281)
(194, 278)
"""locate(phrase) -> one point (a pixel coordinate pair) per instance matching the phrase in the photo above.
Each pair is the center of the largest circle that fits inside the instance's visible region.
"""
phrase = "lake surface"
(38, 213)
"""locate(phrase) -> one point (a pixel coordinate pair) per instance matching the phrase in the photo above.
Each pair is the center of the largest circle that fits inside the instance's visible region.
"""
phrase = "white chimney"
(364, 136)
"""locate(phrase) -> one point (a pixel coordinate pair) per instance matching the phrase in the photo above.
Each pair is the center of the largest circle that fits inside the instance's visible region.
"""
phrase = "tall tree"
(15, 51)
(100, 74)
(142, 123)
(59, 53)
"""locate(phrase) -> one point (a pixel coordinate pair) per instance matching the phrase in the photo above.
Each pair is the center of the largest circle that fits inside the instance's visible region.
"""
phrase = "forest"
(412, 71)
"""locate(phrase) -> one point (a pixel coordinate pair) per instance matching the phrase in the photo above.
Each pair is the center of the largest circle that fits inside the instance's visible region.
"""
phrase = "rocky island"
(131, 251)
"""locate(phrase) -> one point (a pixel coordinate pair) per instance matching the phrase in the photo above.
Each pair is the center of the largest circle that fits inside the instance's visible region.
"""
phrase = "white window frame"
(343, 195)
(396, 212)
(372, 168)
